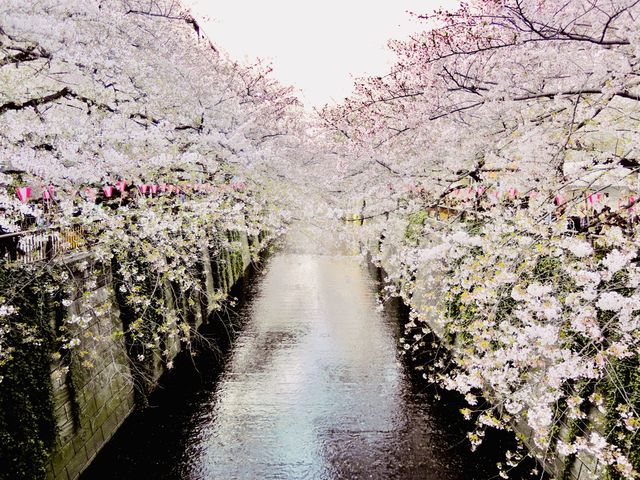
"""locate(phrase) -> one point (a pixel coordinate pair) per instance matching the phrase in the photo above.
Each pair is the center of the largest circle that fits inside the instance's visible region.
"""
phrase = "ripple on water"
(313, 387)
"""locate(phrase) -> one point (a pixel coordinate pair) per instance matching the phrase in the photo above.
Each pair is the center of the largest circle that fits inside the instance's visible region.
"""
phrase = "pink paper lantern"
(559, 200)
(108, 191)
(154, 189)
(594, 198)
(121, 185)
(23, 193)
(47, 193)
(143, 188)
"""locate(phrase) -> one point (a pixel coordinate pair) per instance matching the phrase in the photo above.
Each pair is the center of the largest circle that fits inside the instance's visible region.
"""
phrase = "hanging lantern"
(513, 192)
(594, 198)
(23, 193)
(559, 200)
(108, 191)
(143, 188)
(121, 185)
(154, 189)
(164, 187)
(47, 193)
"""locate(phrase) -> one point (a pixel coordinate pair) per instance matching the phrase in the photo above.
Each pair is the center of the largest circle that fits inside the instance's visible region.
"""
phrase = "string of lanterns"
(593, 200)
(24, 193)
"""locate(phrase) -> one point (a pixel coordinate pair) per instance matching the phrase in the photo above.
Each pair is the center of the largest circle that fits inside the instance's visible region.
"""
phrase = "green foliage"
(473, 225)
(34, 332)
(140, 321)
(547, 269)
(622, 389)
(575, 426)
(27, 423)
(413, 231)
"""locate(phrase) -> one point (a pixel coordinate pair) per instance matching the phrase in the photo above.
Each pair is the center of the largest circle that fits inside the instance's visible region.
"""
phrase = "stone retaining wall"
(425, 301)
(94, 389)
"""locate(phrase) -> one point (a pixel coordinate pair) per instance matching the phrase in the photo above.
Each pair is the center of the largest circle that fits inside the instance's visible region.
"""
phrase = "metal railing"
(39, 245)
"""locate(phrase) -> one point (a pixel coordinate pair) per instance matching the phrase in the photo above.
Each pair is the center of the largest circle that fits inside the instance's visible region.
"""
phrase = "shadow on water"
(314, 386)
(150, 443)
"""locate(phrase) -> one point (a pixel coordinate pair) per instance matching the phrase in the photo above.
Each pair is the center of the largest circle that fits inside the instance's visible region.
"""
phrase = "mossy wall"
(27, 426)
(425, 301)
(95, 390)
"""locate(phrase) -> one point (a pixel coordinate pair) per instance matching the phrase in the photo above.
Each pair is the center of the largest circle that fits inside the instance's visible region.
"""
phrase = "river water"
(313, 386)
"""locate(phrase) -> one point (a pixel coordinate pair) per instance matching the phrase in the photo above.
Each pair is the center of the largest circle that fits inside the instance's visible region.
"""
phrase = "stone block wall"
(425, 301)
(94, 386)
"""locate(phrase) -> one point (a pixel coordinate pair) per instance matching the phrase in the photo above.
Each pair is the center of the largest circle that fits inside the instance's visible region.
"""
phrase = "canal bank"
(109, 374)
(314, 386)
(431, 348)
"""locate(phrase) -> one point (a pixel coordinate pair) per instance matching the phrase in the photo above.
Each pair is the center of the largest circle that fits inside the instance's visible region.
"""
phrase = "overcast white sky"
(316, 46)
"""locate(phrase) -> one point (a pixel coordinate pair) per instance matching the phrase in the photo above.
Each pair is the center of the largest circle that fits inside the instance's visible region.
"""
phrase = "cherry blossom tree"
(497, 163)
(136, 128)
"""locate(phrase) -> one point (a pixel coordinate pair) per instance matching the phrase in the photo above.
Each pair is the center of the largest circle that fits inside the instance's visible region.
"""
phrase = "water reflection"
(313, 379)
(313, 388)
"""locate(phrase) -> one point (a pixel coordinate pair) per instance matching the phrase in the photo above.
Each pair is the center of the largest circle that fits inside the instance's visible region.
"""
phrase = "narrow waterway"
(313, 387)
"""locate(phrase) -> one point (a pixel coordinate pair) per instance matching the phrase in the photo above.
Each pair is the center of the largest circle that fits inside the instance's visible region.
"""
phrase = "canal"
(312, 386)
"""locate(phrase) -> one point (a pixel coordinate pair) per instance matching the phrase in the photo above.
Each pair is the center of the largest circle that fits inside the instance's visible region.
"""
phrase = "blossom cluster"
(100, 92)
(534, 289)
